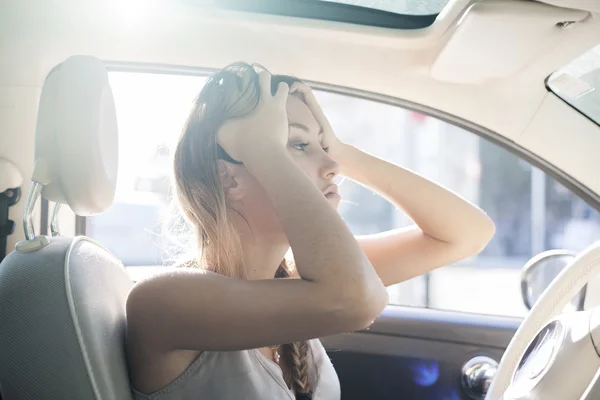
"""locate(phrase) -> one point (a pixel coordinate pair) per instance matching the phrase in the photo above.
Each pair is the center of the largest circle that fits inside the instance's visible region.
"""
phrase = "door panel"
(412, 353)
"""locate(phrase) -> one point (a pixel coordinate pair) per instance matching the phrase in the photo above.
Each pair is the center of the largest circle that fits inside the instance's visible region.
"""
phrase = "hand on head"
(263, 129)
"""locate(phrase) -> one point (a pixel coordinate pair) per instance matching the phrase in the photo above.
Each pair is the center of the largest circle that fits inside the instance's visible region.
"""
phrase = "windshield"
(578, 84)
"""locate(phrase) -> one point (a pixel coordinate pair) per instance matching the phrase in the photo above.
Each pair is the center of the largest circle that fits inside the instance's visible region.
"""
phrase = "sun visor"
(495, 40)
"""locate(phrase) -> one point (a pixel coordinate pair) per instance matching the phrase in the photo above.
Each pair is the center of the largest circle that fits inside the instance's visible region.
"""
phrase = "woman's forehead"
(299, 113)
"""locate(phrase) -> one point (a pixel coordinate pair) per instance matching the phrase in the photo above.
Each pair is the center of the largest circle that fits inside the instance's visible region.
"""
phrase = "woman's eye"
(300, 146)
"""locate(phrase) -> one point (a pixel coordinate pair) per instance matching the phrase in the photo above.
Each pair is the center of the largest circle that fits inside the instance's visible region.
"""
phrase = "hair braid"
(295, 355)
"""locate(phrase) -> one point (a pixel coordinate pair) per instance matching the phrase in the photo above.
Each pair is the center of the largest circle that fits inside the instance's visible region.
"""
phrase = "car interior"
(507, 92)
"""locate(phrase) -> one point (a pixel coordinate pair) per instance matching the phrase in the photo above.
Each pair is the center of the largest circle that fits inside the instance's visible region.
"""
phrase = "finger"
(315, 108)
(264, 82)
(299, 87)
(296, 87)
(310, 100)
(308, 96)
(283, 91)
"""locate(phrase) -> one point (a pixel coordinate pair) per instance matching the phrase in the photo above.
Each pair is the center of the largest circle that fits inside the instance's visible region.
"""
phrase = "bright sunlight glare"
(156, 108)
(133, 13)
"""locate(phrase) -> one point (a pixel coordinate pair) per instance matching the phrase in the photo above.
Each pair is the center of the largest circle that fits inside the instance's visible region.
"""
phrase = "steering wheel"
(551, 303)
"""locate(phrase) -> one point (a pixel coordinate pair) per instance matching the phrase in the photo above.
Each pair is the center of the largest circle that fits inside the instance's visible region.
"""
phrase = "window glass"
(578, 84)
(406, 7)
(531, 210)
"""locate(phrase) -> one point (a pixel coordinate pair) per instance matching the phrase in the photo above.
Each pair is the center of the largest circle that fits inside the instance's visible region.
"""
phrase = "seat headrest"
(76, 141)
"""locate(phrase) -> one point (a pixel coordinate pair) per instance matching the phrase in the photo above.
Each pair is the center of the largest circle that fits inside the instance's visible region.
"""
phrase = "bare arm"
(338, 291)
(447, 228)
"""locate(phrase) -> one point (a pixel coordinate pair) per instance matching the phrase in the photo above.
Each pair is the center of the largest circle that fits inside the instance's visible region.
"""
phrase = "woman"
(254, 171)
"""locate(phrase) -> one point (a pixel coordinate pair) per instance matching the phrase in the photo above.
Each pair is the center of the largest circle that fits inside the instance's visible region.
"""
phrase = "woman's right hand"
(262, 130)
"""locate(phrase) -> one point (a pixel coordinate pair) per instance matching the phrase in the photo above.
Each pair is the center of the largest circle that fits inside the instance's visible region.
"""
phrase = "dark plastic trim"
(461, 327)
(444, 336)
(323, 10)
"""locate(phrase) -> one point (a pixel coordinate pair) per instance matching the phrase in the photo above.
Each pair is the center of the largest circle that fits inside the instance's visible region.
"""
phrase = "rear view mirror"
(540, 271)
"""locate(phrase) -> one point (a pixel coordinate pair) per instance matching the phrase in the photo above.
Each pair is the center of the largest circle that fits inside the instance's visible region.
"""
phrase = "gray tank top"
(248, 375)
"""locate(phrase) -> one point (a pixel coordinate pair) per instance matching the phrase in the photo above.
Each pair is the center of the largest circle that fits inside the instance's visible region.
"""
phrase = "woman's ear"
(228, 173)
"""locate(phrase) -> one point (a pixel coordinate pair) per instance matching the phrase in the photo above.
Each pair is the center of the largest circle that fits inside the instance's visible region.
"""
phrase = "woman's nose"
(329, 168)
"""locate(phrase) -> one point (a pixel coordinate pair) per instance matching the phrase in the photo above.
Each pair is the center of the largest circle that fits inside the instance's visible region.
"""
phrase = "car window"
(532, 211)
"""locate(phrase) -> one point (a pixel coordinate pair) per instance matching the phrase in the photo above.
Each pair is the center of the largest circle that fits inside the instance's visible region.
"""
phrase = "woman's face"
(305, 147)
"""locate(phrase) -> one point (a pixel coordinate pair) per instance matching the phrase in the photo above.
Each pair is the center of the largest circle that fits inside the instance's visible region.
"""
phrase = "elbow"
(371, 309)
(362, 306)
(481, 235)
(486, 232)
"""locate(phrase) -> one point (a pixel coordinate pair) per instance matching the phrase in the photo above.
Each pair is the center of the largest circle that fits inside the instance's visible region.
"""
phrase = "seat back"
(62, 299)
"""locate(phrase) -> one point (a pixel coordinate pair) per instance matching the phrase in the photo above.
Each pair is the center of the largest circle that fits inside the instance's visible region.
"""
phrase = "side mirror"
(540, 271)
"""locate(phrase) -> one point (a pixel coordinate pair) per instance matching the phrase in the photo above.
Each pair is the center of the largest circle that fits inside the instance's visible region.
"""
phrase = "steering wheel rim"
(551, 303)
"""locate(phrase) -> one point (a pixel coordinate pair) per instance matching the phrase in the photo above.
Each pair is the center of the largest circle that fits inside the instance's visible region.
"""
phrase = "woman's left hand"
(334, 145)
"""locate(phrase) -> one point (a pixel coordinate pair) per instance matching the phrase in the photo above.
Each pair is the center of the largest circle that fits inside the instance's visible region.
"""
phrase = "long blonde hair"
(230, 93)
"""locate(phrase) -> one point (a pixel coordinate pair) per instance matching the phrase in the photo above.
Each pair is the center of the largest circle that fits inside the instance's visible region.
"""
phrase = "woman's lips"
(331, 192)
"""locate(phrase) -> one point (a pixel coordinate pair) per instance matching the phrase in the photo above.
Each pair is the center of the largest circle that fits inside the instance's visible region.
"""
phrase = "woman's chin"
(334, 199)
